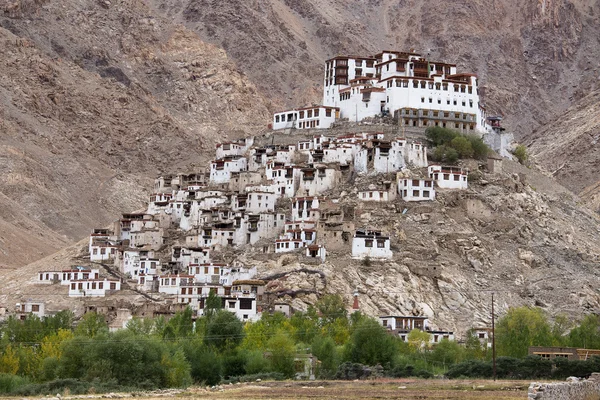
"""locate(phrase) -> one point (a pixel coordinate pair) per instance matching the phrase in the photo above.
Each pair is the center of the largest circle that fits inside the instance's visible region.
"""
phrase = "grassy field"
(379, 389)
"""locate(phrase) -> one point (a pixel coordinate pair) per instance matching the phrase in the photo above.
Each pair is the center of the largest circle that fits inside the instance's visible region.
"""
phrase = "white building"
(260, 202)
(418, 91)
(93, 287)
(305, 208)
(208, 272)
(404, 323)
(221, 169)
(236, 148)
(30, 307)
(78, 274)
(306, 118)
(416, 189)
(372, 244)
(314, 181)
(447, 177)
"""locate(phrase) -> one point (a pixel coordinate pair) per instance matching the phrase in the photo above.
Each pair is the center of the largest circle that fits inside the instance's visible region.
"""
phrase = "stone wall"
(573, 389)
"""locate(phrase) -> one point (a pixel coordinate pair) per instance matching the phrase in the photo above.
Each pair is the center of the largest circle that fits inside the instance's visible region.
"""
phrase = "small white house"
(306, 118)
(236, 148)
(207, 273)
(372, 244)
(260, 202)
(287, 245)
(316, 251)
(93, 287)
(305, 208)
(404, 323)
(416, 189)
(30, 307)
(314, 181)
(449, 177)
(220, 170)
(102, 251)
(49, 277)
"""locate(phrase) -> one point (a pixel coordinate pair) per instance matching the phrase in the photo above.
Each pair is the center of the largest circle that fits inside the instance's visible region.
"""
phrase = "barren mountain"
(96, 98)
(568, 148)
(534, 57)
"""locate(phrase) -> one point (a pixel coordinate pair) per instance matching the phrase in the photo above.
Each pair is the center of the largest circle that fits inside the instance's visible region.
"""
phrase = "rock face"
(568, 148)
(96, 98)
(533, 57)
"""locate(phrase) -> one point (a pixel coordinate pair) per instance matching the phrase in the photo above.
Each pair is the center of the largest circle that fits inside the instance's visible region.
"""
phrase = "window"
(368, 242)
(101, 285)
(316, 112)
(276, 118)
(246, 304)
(380, 244)
(232, 304)
(422, 99)
(385, 322)
(430, 100)
(426, 193)
(35, 308)
(415, 193)
(328, 112)
(457, 177)
(446, 177)
(454, 102)
(481, 335)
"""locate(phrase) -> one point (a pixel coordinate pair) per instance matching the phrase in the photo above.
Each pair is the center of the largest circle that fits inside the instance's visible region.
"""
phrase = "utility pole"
(493, 341)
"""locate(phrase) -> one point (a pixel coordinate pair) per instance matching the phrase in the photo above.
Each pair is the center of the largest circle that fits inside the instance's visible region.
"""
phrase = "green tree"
(480, 149)
(325, 350)
(176, 369)
(520, 328)
(331, 307)
(447, 352)
(587, 334)
(305, 325)
(418, 340)
(283, 352)
(181, 325)
(439, 136)
(463, 146)
(224, 330)
(213, 304)
(521, 154)
(9, 361)
(90, 325)
(370, 344)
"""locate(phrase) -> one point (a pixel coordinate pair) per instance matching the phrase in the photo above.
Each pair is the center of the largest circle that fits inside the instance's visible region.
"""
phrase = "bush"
(10, 383)
(470, 369)
(462, 145)
(521, 154)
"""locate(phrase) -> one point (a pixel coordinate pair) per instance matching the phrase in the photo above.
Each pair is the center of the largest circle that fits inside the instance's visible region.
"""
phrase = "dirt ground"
(380, 389)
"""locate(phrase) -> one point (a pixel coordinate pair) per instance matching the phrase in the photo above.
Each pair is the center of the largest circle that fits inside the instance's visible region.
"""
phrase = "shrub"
(521, 154)
(463, 146)
(10, 383)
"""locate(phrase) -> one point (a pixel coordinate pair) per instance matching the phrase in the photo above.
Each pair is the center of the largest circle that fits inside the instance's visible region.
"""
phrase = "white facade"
(306, 118)
(237, 148)
(314, 181)
(93, 287)
(79, 273)
(220, 170)
(449, 177)
(416, 189)
(376, 195)
(49, 277)
(102, 251)
(418, 91)
(259, 202)
(370, 244)
(404, 323)
(305, 209)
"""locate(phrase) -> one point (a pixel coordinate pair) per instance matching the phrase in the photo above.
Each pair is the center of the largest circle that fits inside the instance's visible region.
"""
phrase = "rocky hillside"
(568, 148)
(534, 58)
(517, 234)
(96, 98)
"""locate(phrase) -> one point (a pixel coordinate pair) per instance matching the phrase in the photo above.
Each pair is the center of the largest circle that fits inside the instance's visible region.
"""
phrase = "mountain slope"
(568, 148)
(96, 99)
